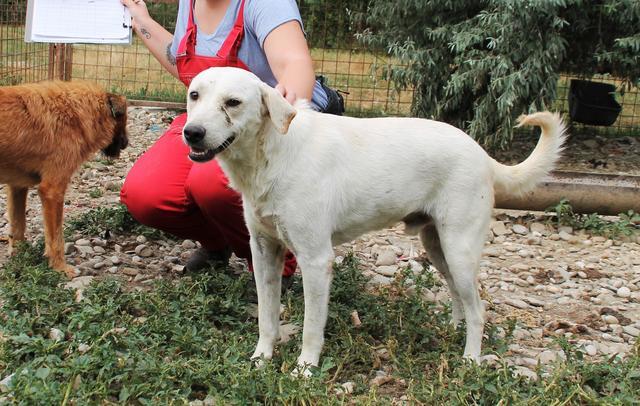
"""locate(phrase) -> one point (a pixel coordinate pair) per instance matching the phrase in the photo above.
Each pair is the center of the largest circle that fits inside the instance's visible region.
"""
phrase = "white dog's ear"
(280, 111)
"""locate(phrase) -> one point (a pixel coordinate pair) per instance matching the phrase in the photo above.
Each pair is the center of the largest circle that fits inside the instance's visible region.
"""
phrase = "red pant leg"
(154, 191)
(209, 188)
(166, 190)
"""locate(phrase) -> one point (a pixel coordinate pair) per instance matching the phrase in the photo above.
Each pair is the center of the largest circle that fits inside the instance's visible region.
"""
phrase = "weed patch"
(627, 223)
(191, 339)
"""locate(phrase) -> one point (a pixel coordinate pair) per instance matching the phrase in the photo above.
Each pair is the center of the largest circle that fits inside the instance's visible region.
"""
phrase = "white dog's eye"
(193, 95)
(232, 102)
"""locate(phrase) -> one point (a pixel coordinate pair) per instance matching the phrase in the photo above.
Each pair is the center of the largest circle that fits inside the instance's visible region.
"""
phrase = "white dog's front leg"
(268, 258)
(316, 279)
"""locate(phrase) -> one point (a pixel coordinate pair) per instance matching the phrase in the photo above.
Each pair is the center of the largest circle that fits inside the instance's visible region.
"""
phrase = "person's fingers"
(291, 97)
(129, 3)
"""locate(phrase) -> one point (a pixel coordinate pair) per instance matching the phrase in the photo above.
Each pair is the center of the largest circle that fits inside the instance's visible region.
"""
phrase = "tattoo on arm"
(146, 33)
(170, 57)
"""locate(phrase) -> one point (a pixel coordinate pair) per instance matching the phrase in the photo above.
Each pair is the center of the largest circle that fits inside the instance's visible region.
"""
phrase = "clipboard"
(78, 21)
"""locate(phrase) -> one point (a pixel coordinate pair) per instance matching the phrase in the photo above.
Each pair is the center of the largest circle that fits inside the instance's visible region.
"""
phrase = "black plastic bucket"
(593, 103)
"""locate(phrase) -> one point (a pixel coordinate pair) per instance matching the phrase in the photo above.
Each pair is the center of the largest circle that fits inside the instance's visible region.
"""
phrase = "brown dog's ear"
(118, 104)
(280, 111)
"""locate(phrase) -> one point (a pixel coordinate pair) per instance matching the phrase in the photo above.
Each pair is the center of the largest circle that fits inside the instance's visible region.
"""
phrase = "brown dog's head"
(117, 105)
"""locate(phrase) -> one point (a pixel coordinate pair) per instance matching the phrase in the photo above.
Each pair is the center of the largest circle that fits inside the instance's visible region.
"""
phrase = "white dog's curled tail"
(523, 177)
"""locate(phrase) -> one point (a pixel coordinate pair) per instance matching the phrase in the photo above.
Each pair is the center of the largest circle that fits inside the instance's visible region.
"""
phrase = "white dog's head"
(227, 105)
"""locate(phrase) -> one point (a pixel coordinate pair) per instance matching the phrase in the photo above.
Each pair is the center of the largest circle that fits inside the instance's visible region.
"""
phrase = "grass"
(190, 339)
(95, 193)
(627, 223)
(107, 220)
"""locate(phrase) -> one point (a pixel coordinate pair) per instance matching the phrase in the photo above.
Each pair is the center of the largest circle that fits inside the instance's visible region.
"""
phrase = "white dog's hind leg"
(316, 267)
(268, 260)
(462, 237)
(431, 242)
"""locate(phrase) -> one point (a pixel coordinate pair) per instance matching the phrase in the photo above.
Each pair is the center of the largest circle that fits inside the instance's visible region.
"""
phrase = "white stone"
(428, 296)
(498, 228)
(565, 229)
(539, 228)
(80, 282)
(489, 359)
(526, 372)
(609, 337)
(379, 280)
(99, 242)
(591, 350)
(84, 250)
(346, 388)
(387, 270)
(564, 300)
(534, 302)
(492, 251)
(623, 292)
(386, 256)
(519, 267)
(609, 319)
(520, 229)
(188, 244)
(5, 384)
(632, 331)
(520, 304)
(82, 348)
(143, 251)
(416, 266)
(547, 356)
(565, 236)
(56, 334)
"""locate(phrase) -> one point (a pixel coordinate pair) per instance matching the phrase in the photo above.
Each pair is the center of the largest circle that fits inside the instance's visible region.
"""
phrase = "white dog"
(310, 181)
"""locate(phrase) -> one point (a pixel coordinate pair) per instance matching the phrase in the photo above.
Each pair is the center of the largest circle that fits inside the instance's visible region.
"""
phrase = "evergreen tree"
(478, 64)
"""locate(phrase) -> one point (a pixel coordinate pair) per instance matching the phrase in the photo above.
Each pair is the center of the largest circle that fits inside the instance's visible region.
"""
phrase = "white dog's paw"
(302, 371)
(475, 358)
(261, 356)
(259, 362)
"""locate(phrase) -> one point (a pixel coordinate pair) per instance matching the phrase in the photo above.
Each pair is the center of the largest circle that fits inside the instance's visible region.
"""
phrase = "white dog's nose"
(194, 133)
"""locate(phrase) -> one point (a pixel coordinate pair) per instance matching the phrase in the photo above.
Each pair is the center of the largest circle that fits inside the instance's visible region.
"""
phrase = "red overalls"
(166, 190)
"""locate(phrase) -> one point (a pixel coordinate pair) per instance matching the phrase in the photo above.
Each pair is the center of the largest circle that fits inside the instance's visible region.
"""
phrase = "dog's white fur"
(310, 181)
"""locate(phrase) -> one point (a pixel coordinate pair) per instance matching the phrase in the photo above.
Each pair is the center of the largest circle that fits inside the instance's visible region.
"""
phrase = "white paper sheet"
(81, 21)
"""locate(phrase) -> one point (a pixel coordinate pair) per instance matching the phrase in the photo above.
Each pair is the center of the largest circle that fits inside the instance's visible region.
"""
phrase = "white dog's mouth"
(205, 155)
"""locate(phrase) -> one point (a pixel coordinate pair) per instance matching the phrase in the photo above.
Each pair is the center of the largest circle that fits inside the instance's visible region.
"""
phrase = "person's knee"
(145, 206)
(215, 197)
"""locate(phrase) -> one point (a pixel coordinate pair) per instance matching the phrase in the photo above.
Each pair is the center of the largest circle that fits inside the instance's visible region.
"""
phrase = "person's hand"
(288, 94)
(137, 8)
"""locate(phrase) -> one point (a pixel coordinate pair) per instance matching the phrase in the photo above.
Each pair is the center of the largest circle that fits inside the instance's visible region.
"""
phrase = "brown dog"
(48, 129)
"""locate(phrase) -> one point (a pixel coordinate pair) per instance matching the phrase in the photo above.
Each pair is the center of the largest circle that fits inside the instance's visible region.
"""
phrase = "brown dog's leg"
(17, 205)
(52, 196)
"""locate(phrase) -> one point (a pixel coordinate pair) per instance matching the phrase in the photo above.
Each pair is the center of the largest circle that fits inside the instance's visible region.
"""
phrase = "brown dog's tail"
(523, 177)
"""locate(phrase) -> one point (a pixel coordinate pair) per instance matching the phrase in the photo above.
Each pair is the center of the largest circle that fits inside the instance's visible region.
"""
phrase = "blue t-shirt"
(260, 18)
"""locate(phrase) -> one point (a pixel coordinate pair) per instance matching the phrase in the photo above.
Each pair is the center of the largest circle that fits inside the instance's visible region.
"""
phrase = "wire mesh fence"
(19, 61)
(331, 33)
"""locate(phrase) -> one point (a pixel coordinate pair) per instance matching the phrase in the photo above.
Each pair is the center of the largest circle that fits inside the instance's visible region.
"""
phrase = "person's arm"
(290, 61)
(153, 35)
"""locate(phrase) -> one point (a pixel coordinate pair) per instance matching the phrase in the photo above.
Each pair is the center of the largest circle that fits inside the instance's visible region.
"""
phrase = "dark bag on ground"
(335, 104)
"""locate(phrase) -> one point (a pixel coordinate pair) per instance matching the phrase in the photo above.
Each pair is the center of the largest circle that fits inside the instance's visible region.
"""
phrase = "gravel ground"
(552, 281)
